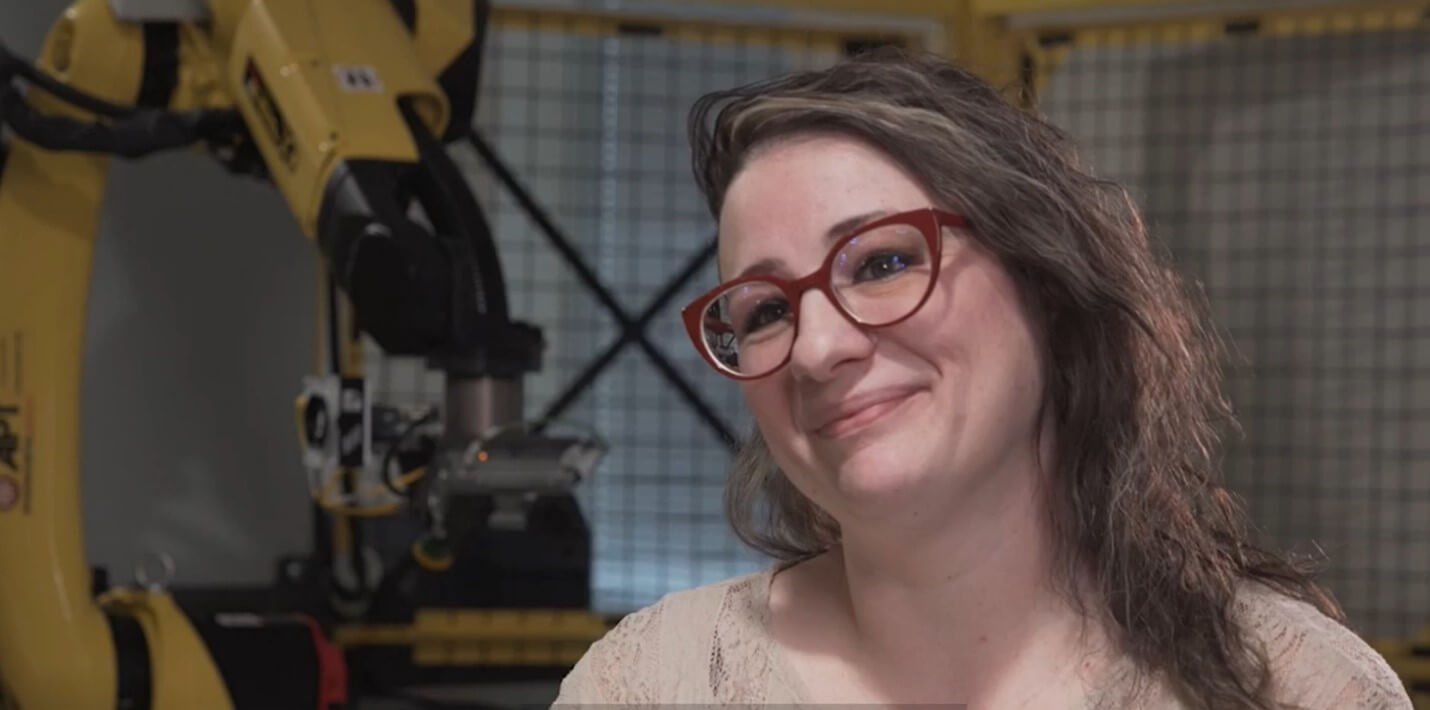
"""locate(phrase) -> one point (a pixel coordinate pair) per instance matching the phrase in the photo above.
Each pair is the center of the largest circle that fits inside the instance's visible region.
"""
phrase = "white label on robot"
(357, 78)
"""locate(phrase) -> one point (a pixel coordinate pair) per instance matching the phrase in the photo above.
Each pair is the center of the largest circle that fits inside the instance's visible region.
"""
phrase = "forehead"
(789, 193)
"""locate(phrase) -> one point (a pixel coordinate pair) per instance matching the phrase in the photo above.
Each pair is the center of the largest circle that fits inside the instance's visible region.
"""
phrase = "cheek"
(1003, 346)
(973, 328)
(1011, 330)
(768, 404)
(940, 332)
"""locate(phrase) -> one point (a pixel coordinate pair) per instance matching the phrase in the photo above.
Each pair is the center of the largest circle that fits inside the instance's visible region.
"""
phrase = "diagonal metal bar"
(689, 393)
(661, 299)
(629, 328)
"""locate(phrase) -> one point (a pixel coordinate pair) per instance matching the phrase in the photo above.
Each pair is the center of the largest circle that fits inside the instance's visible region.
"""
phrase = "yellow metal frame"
(938, 8)
(607, 23)
(467, 637)
(1049, 45)
(1006, 41)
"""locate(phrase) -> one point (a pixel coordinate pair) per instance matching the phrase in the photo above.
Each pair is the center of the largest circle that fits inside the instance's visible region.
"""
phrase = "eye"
(883, 265)
(763, 314)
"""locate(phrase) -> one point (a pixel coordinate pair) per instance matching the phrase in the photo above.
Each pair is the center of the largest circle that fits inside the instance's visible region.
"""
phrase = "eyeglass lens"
(878, 277)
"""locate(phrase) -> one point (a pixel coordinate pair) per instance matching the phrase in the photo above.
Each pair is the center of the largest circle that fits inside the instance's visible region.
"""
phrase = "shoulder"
(649, 649)
(1316, 661)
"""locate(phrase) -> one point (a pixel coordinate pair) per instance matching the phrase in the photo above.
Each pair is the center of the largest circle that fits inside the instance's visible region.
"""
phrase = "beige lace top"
(711, 645)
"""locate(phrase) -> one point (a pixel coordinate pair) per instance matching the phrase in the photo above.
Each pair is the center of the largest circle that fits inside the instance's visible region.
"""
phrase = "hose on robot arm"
(124, 131)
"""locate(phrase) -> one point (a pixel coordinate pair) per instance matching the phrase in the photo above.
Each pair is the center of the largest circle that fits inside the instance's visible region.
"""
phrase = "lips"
(857, 412)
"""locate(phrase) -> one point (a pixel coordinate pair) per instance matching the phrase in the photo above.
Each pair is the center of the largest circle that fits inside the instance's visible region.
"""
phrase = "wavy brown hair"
(1133, 375)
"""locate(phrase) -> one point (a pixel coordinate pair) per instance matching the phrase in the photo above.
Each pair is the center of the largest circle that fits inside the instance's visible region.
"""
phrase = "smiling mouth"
(864, 418)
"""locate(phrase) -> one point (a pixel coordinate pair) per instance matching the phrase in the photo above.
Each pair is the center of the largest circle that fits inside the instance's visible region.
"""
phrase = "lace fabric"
(623, 667)
(1316, 662)
(740, 660)
(712, 645)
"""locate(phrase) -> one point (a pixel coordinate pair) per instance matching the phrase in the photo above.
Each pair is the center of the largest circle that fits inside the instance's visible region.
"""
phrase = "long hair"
(1133, 380)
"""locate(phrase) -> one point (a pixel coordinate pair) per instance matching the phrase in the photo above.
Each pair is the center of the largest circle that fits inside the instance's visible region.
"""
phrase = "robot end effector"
(408, 245)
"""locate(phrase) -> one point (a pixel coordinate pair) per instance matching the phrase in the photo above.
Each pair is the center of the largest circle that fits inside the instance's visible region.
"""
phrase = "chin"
(886, 465)
(873, 488)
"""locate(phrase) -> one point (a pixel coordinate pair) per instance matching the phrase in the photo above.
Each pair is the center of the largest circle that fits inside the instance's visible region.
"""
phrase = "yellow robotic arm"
(343, 105)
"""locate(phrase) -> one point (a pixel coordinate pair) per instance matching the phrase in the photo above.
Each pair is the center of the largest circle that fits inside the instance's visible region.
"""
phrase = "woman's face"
(887, 423)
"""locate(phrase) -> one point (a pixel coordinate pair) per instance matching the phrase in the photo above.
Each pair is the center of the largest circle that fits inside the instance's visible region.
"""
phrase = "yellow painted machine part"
(444, 29)
(55, 650)
(465, 637)
(291, 49)
(55, 645)
(184, 673)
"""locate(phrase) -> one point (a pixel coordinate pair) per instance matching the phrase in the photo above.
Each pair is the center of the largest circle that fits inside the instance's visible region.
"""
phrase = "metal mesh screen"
(1289, 175)
(590, 116)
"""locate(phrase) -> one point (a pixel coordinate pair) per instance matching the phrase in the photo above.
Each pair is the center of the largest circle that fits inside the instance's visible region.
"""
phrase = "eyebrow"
(835, 231)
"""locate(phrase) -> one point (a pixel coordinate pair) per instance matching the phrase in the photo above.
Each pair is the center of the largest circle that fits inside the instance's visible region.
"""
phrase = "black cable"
(11, 65)
(397, 444)
(131, 136)
(129, 132)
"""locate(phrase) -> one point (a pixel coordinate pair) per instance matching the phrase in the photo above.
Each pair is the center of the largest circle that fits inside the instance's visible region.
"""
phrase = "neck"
(967, 607)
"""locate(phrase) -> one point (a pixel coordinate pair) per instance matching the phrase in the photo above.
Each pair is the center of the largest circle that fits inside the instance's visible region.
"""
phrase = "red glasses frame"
(929, 221)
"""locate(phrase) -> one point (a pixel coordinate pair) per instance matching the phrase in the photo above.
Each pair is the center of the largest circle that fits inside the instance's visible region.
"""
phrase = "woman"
(987, 424)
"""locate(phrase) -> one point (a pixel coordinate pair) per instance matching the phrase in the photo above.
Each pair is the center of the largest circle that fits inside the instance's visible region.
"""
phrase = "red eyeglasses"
(876, 276)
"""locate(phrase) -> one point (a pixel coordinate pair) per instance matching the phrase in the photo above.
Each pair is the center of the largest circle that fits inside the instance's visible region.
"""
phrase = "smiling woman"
(987, 429)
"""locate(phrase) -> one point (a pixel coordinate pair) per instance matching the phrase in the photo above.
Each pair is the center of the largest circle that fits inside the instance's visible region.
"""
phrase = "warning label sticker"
(15, 429)
(14, 453)
(9, 438)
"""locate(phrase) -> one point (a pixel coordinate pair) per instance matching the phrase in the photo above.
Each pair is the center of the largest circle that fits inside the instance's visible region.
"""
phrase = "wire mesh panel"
(589, 113)
(1289, 174)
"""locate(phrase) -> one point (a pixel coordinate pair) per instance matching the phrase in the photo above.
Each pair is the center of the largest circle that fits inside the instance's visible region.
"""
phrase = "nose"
(825, 339)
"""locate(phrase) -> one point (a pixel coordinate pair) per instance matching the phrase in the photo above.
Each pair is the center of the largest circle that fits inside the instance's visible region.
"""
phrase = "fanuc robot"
(345, 106)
